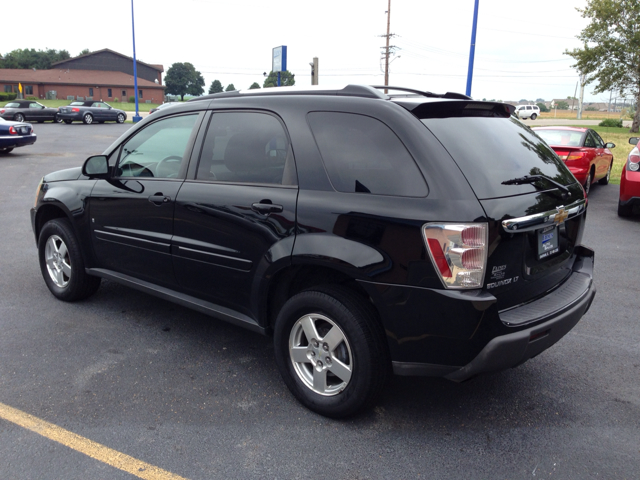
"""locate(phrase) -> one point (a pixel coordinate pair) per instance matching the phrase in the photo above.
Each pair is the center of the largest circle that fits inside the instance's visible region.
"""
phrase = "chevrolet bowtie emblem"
(561, 216)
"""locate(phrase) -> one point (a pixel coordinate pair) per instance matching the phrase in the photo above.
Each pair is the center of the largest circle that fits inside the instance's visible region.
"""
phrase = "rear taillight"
(12, 130)
(634, 163)
(459, 252)
(75, 109)
(575, 156)
(1, 111)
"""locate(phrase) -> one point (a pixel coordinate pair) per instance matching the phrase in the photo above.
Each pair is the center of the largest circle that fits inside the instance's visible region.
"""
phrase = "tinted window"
(561, 138)
(589, 141)
(597, 138)
(158, 150)
(12, 105)
(361, 154)
(492, 150)
(246, 147)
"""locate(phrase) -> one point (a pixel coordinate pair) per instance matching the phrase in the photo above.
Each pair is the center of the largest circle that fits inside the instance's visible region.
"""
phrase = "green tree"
(86, 51)
(287, 79)
(254, 85)
(182, 79)
(216, 87)
(542, 107)
(562, 105)
(31, 58)
(611, 52)
(230, 88)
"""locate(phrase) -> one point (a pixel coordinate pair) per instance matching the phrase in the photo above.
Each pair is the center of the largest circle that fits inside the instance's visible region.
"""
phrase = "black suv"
(414, 233)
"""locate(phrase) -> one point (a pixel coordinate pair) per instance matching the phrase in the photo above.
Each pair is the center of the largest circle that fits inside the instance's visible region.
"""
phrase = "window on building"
(7, 88)
(140, 93)
(91, 92)
(28, 89)
(124, 95)
(109, 93)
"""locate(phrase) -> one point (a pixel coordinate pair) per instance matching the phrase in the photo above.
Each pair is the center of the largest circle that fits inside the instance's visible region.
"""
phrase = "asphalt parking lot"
(137, 379)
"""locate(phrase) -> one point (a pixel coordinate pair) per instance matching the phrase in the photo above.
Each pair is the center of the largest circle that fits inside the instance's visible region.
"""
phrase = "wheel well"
(297, 279)
(46, 213)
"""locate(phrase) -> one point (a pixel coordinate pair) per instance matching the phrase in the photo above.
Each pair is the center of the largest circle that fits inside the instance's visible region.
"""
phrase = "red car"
(630, 181)
(582, 150)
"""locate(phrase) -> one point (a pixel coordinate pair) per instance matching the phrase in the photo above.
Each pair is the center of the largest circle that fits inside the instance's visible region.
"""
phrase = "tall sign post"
(472, 52)
(136, 117)
(278, 60)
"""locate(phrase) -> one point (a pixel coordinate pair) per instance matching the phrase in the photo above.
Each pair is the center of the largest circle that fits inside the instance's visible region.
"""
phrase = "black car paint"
(40, 113)
(98, 114)
(24, 136)
(375, 241)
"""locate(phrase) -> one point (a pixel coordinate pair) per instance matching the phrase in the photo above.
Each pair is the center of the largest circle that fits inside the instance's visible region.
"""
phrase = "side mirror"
(610, 145)
(634, 140)
(96, 167)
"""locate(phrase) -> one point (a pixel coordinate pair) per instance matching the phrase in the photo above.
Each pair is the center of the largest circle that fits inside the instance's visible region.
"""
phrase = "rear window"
(490, 151)
(76, 103)
(362, 155)
(12, 105)
(564, 138)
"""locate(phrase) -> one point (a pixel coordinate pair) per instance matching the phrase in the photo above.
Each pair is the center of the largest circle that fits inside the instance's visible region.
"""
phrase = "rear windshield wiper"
(533, 179)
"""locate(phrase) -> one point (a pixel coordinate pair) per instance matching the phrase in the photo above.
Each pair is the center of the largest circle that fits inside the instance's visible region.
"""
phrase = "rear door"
(132, 212)
(237, 215)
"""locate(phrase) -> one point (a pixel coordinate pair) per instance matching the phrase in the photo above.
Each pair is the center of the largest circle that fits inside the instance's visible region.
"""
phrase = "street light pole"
(472, 53)
(136, 117)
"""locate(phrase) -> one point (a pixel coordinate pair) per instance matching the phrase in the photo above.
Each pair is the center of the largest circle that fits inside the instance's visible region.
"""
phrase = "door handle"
(158, 199)
(266, 208)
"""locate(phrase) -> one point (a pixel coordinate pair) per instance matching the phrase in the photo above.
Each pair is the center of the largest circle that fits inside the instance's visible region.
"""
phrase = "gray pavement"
(203, 399)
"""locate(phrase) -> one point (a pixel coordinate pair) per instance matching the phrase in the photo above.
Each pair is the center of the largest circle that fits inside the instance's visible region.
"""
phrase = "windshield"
(492, 150)
(565, 138)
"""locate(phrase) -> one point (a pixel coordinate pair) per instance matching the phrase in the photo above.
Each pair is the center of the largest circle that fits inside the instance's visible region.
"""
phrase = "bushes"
(132, 99)
(611, 122)
(6, 96)
(115, 100)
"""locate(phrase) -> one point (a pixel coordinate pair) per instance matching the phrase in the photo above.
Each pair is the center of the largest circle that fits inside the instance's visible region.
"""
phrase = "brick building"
(102, 75)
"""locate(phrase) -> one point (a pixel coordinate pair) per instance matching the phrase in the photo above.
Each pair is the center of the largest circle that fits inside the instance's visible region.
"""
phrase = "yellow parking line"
(84, 445)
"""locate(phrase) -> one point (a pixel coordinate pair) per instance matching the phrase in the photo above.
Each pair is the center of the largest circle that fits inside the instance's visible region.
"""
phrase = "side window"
(589, 141)
(598, 139)
(246, 147)
(528, 107)
(362, 155)
(34, 105)
(158, 150)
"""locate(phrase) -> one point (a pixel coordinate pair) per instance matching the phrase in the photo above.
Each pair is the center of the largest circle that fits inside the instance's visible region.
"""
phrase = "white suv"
(527, 111)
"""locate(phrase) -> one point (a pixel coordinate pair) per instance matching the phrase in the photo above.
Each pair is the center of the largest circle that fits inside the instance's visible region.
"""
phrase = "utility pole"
(583, 80)
(388, 49)
(314, 71)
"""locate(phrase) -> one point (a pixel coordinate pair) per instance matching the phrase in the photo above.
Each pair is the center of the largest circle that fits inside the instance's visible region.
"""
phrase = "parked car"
(630, 181)
(527, 111)
(91, 111)
(15, 134)
(164, 105)
(585, 153)
(420, 234)
(28, 110)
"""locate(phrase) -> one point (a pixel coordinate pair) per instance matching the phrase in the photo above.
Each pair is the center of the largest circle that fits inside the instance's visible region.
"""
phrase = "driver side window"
(157, 151)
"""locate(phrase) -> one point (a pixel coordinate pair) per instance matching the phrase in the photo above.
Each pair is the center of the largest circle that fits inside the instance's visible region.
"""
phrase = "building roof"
(92, 78)
(59, 64)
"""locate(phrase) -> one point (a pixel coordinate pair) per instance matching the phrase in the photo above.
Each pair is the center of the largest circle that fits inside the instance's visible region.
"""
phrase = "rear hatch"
(534, 206)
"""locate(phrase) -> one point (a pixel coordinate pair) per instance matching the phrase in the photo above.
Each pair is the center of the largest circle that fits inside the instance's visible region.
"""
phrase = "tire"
(6, 150)
(605, 180)
(120, 118)
(87, 119)
(587, 183)
(18, 117)
(624, 210)
(352, 365)
(533, 116)
(61, 262)
(68, 122)
(57, 119)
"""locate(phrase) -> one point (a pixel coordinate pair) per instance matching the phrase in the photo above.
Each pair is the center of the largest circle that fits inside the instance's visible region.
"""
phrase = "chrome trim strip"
(556, 216)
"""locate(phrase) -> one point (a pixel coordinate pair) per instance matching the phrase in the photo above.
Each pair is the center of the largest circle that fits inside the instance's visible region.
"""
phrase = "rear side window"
(362, 155)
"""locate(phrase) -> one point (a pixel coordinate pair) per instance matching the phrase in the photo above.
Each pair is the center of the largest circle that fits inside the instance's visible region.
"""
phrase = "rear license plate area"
(547, 242)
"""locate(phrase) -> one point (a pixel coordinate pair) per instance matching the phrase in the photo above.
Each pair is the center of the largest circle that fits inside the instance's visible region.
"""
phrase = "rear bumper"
(629, 187)
(458, 335)
(12, 141)
(75, 116)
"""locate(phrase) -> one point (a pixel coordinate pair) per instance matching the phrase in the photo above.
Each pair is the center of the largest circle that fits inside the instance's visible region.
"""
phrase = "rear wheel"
(18, 117)
(331, 351)
(87, 119)
(605, 179)
(533, 116)
(624, 210)
(61, 262)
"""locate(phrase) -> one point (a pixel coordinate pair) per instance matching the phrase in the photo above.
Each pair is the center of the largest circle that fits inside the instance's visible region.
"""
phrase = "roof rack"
(457, 96)
(347, 91)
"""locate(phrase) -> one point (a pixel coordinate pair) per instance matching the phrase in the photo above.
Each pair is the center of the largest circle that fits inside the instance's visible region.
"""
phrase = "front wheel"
(331, 351)
(587, 183)
(120, 118)
(87, 119)
(605, 179)
(533, 116)
(57, 119)
(61, 262)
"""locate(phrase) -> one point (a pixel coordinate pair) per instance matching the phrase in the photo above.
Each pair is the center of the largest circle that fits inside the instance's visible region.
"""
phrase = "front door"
(132, 212)
(238, 215)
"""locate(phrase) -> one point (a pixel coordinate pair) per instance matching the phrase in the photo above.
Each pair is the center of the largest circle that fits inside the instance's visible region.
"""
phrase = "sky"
(518, 55)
